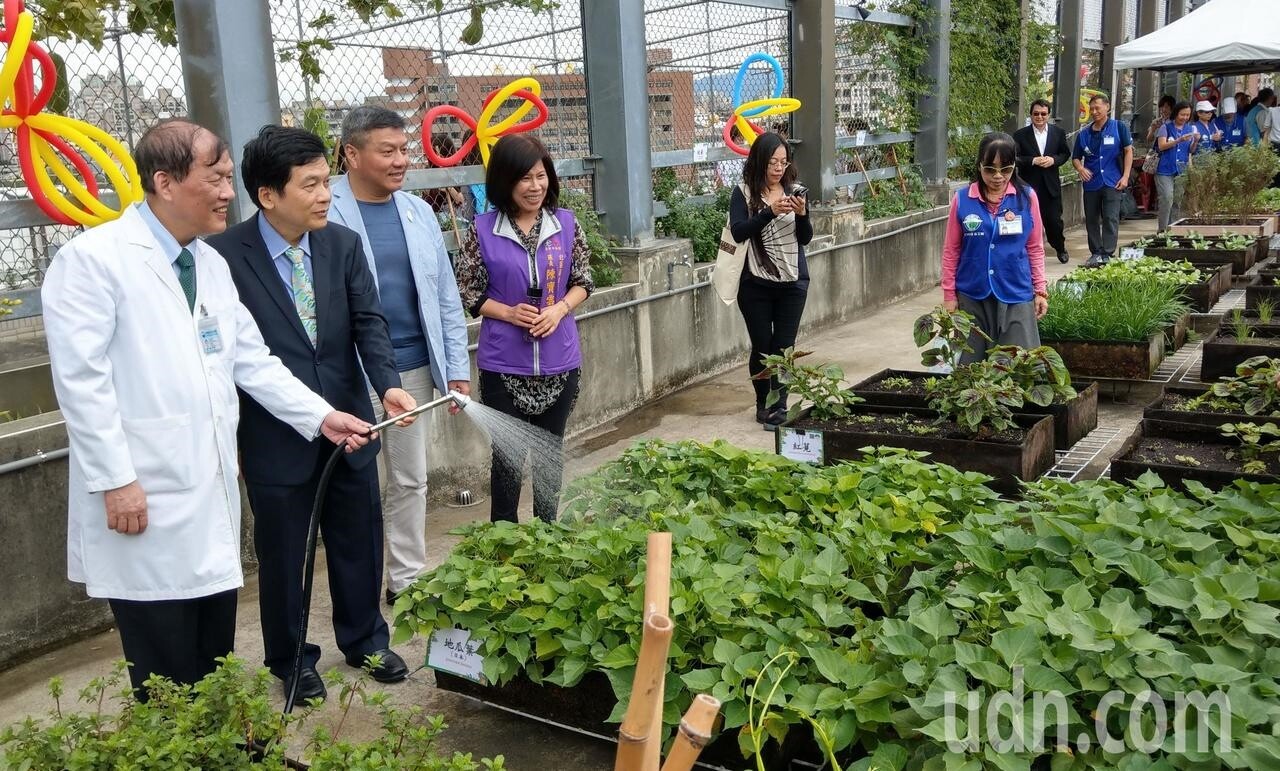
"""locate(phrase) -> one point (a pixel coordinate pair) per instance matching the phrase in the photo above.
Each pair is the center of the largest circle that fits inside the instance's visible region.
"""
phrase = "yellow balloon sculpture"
(45, 139)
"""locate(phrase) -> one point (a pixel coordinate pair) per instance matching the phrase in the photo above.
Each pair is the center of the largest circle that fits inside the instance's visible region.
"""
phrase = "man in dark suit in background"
(307, 284)
(1042, 148)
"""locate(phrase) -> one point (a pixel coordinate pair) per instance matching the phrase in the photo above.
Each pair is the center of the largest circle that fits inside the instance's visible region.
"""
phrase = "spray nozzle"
(460, 399)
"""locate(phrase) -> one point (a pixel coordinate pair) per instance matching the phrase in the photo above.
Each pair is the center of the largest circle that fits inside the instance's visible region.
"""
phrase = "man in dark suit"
(308, 286)
(1042, 148)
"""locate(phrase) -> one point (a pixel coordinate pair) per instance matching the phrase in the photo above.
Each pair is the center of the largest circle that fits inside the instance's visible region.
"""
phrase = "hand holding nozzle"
(457, 398)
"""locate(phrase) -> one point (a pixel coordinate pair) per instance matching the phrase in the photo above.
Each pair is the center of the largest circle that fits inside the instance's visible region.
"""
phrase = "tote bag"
(729, 261)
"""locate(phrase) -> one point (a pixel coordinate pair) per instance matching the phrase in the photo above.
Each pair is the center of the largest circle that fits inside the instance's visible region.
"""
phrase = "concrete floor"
(721, 407)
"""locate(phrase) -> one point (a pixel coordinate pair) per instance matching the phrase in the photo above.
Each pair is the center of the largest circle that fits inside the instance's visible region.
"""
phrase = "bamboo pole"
(646, 692)
(857, 156)
(657, 600)
(694, 733)
(893, 158)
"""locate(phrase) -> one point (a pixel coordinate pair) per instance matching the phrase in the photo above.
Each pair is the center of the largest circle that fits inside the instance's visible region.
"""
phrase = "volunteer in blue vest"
(1208, 127)
(1232, 124)
(405, 251)
(993, 252)
(1103, 156)
(1257, 124)
(524, 267)
(1176, 142)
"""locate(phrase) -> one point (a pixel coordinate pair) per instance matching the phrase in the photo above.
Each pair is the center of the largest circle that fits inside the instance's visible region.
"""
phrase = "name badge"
(1108, 140)
(210, 336)
(1011, 226)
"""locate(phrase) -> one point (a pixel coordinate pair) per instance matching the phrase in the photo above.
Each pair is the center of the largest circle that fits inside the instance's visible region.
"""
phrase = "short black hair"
(1100, 98)
(1265, 94)
(271, 157)
(1041, 103)
(510, 159)
(1167, 99)
(1179, 107)
(169, 146)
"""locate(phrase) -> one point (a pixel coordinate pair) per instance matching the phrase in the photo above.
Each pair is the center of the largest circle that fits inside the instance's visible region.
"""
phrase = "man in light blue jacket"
(419, 294)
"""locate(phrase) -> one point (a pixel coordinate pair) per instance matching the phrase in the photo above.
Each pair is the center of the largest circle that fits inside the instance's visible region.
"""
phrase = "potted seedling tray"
(587, 706)
(1202, 296)
(1181, 453)
(1113, 359)
(1218, 226)
(1223, 350)
(1170, 409)
(1265, 286)
(1008, 456)
(1072, 420)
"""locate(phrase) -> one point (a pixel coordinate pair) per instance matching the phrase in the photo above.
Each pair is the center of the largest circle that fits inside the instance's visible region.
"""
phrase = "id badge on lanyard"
(210, 335)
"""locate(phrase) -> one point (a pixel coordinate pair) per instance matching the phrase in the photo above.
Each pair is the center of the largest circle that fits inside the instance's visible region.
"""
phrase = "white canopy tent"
(1221, 37)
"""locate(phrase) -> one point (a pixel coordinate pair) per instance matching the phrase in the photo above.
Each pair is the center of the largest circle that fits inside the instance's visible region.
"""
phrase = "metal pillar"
(1016, 104)
(934, 104)
(1113, 17)
(1066, 80)
(618, 108)
(1145, 95)
(1170, 82)
(813, 74)
(229, 69)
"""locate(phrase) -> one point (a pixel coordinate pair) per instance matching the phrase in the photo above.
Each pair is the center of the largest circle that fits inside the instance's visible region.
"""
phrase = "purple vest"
(509, 349)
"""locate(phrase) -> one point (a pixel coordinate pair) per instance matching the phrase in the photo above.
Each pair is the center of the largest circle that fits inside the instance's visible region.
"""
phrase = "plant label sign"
(799, 444)
(700, 151)
(453, 651)
(1132, 253)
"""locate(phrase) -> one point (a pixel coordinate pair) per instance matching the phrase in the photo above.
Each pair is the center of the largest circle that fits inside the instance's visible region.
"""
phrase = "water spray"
(313, 530)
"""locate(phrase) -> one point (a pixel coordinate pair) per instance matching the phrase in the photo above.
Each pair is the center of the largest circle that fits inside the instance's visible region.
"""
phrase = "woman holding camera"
(769, 212)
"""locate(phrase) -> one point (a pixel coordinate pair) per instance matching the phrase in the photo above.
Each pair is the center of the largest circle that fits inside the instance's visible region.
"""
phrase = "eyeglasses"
(779, 164)
(1039, 114)
(1002, 171)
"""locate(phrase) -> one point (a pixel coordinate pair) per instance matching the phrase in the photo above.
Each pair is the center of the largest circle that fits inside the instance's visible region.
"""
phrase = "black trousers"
(1051, 216)
(506, 473)
(179, 639)
(351, 528)
(772, 313)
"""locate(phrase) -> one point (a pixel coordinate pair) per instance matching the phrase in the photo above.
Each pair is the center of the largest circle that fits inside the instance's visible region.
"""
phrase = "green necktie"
(304, 295)
(187, 277)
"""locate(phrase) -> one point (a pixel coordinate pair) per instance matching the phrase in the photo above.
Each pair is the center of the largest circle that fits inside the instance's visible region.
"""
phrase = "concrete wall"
(633, 354)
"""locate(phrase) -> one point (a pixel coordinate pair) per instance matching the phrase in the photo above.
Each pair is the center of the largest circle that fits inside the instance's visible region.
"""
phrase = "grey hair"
(365, 118)
(169, 146)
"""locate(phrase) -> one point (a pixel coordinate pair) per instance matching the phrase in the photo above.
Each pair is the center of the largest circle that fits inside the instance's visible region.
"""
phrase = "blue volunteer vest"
(1101, 152)
(990, 263)
(1205, 143)
(1234, 134)
(1174, 160)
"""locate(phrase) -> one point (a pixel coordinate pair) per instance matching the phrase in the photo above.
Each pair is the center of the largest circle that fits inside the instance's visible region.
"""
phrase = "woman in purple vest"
(524, 267)
(993, 252)
(773, 217)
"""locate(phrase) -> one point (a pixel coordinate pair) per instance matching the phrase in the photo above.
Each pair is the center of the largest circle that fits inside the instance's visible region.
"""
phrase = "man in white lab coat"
(148, 342)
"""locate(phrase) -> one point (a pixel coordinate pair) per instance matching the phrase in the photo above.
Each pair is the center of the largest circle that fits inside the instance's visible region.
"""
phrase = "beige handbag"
(729, 261)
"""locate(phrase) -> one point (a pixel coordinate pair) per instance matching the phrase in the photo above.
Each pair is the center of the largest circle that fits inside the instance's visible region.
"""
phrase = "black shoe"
(1063, 257)
(774, 419)
(310, 686)
(391, 670)
(1095, 261)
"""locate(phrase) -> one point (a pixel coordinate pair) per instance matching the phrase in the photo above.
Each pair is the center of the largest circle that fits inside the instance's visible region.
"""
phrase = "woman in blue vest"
(524, 268)
(1209, 128)
(1176, 141)
(993, 252)
(1232, 124)
(770, 213)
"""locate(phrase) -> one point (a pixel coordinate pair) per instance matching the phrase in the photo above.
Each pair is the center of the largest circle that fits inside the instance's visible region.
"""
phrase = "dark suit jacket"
(1045, 182)
(348, 320)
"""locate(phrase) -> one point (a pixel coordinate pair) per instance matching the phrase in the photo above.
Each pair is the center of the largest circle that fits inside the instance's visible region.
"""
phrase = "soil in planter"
(908, 425)
(1211, 457)
(913, 387)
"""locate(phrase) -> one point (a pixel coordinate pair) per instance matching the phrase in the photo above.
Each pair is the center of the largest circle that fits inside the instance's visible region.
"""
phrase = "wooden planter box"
(1175, 335)
(1111, 359)
(1218, 226)
(1241, 259)
(1202, 296)
(1006, 462)
(1159, 414)
(1072, 420)
(1166, 442)
(587, 705)
(1264, 286)
(1221, 352)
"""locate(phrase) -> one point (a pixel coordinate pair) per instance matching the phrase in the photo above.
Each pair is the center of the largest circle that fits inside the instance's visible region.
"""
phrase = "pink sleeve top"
(951, 243)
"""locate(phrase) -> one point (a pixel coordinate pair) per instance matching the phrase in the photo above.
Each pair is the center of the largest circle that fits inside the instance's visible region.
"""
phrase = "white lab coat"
(143, 401)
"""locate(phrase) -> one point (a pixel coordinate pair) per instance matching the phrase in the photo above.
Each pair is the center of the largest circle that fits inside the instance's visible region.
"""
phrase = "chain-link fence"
(414, 63)
(123, 87)
(695, 49)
